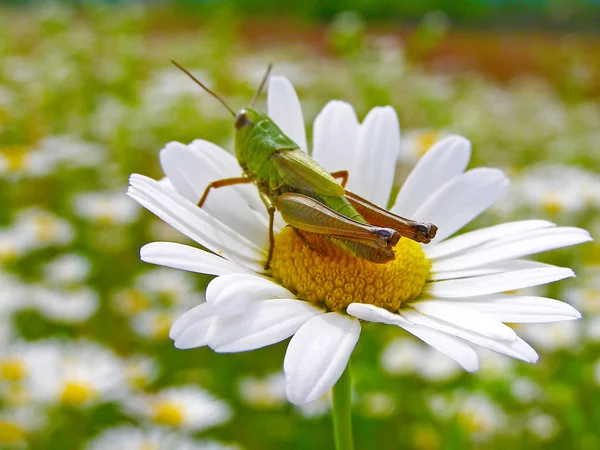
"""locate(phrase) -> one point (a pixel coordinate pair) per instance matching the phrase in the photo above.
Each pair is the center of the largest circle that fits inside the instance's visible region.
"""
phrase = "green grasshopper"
(308, 197)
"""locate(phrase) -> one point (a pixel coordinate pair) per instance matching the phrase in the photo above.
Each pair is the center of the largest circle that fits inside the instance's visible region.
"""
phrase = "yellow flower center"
(12, 369)
(77, 393)
(10, 433)
(168, 413)
(133, 302)
(336, 279)
(46, 228)
(8, 251)
(552, 204)
(426, 140)
(161, 325)
(147, 446)
(14, 156)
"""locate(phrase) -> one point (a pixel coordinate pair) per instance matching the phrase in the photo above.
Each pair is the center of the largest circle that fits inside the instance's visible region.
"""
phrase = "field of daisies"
(88, 96)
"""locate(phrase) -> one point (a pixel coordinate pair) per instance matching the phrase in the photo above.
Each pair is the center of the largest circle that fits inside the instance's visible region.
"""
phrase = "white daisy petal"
(466, 318)
(449, 345)
(545, 239)
(266, 323)
(184, 257)
(474, 238)
(378, 147)
(285, 110)
(192, 170)
(227, 166)
(195, 223)
(445, 160)
(201, 314)
(461, 200)
(234, 294)
(504, 266)
(317, 356)
(224, 162)
(335, 135)
(501, 282)
(520, 309)
(517, 348)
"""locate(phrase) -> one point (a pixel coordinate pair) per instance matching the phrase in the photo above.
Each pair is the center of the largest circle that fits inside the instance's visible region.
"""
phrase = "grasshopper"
(309, 198)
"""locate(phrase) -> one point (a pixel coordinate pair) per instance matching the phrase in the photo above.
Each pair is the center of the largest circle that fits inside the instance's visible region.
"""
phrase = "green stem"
(341, 398)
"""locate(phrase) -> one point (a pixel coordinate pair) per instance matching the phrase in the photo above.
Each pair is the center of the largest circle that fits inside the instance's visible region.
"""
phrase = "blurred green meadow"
(88, 96)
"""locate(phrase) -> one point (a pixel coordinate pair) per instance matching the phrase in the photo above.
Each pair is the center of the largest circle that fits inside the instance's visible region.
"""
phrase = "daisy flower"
(185, 407)
(133, 438)
(451, 294)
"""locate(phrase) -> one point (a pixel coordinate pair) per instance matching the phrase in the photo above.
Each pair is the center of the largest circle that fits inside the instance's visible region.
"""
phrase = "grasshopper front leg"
(343, 174)
(222, 183)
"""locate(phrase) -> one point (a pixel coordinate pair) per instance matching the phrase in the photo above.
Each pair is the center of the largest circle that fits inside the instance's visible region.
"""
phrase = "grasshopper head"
(244, 123)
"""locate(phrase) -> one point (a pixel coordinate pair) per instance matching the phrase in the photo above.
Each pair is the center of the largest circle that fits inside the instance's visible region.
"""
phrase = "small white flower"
(80, 374)
(37, 228)
(457, 294)
(153, 323)
(264, 393)
(404, 356)
(131, 438)
(554, 336)
(525, 390)
(553, 190)
(17, 423)
(67, 269)
(544, 426)
(73, 305)
(378, 405)
(140, 371)
(186, 407)
(480, 416)
(106, 208)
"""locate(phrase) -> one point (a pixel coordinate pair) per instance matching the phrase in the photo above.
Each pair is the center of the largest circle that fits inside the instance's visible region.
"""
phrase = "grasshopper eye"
(241, 120)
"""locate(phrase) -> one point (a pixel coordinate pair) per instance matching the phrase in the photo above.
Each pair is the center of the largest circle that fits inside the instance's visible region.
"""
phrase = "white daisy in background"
(186, 407)
(132, 438)
(153, 323)
(17, 423)
(416, 143)
(20, 361)
(80, 374)
(378, 405)
(106, 208)
(71, 306)
(404, 356)
(67, 269)
(553, 190)
(64, 151)
(525, 390)
(543, 426)
(451, 293)
(140, 371)
(263, 393)
(39, 228)
(479, 415)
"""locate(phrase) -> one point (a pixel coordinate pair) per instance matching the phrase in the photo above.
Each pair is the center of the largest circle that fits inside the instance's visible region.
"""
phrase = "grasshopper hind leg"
(306, 242)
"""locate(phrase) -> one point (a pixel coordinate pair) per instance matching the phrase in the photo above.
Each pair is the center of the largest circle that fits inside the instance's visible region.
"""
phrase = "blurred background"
(88, 96)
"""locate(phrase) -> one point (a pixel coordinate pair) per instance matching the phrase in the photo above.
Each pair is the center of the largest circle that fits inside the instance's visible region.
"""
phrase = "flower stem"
(342, 411)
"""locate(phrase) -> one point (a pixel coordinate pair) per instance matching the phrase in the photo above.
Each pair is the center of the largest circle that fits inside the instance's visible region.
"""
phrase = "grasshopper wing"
(300, 171)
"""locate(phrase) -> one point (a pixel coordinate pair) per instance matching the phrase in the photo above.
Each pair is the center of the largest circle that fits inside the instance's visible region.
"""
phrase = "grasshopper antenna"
(205, 88)
(262, 85)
